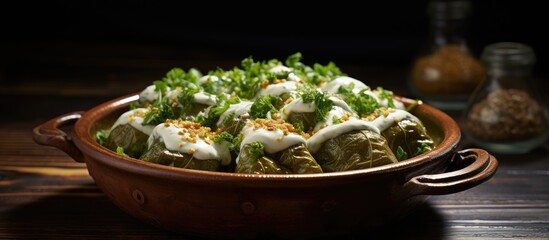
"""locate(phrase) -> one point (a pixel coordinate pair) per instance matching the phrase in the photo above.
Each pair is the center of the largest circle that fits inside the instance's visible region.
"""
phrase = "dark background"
(372, 32)
(107, 49)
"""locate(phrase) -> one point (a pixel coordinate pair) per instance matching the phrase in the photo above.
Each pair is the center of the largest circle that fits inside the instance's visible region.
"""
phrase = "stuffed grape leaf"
(133, 141)
(247, 163)
(157, 153)
(358, 149)
(410, 136)
(305, 119)
(299, 160)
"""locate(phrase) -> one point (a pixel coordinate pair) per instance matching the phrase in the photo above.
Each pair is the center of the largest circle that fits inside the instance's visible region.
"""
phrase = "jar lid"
(508, 53)
(456, 9)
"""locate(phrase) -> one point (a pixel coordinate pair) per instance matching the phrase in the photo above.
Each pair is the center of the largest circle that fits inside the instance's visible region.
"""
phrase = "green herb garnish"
(159, 111)
(120, 151)
(224, 136)
(265, 104)
(423, 148)
(186, 99)
(385, 94)
(210, 118)
(257, 150)
(401, 154)
(336, 120)
(323, 104)
(362, 103)
(298, 125)
(101, 136)
(237, 141)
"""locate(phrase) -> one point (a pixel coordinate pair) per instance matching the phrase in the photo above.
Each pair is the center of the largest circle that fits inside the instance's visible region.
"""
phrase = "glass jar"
(505, 114)
(445, 73)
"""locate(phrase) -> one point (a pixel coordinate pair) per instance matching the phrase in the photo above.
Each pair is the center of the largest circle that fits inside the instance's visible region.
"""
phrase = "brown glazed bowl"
(231, 205)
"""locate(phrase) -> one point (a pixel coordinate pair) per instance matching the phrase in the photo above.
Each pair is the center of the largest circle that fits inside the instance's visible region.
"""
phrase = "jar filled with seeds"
(505, 114)
(446, 72)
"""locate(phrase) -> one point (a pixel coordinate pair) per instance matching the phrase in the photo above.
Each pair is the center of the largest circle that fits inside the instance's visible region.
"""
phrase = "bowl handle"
(49, 134)
(469, 168)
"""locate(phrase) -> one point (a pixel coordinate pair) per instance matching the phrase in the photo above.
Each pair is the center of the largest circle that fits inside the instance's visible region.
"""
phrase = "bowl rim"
(87, 144)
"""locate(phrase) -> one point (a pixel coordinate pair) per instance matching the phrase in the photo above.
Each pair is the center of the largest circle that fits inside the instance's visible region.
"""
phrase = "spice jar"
(505, 114)
(445, 73)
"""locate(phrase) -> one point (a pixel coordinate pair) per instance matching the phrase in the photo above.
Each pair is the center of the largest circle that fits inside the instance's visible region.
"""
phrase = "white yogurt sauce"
(278, 89)
(293, 77)
(340, 103)
(238, 109)
(149, 94)
(200, 149)
(332, 87)
(172, 95)
(135, 119)
(200, 97)
(206, 99)
(205, 79)
(335, 113)
(330, 130)
(280, 69)
(384, 122)
(315, 142)
(296, 105)
(385, 103)
(273, 141)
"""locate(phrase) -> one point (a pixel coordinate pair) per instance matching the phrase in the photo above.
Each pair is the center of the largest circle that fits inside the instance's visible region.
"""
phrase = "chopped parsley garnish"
(362, 103)
(176, 93)
(298, 125)
(186, 99)
(275, 76)
(120, 151)
(211, 86)
(159, 111)
(210, 118)
(177, 77)
(336, 120)
(101, 136)
(160, 86)
(257, 150)
(247, 80)
(224, 136)
(229, 120)
(317, 74)
(264, 105)
(311, 94)
(134, 105)
(293, 60)
(423, 148)
(386, 94)
(235, 147)
(401, 154)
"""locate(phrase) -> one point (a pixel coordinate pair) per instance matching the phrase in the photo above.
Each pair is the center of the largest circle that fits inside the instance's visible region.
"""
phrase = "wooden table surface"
(44, 194)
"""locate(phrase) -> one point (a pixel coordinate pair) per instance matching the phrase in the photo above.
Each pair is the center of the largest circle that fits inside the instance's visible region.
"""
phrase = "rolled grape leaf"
(262, 165)
(158, 153)
(358, 149)
(233, 126)
(410, 136)
(191, 112)
(299, 160)
(307, 119)
(133, 141)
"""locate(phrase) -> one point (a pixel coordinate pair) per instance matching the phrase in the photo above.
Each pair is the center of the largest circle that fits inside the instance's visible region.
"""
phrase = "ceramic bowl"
(231, 205)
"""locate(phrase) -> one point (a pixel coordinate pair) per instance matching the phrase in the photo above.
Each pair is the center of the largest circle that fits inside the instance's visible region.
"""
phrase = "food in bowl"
(269, 117)
(244, 205)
